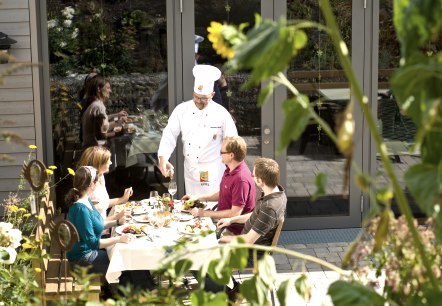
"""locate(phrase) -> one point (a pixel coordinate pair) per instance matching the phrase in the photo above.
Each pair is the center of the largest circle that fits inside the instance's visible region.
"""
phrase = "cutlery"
(147, 235)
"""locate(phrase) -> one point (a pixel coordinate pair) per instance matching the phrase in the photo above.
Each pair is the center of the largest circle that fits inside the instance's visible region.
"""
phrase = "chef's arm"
(165, 166)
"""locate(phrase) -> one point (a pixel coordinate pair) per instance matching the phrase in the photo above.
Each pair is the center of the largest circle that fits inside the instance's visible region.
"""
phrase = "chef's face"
(202, 100)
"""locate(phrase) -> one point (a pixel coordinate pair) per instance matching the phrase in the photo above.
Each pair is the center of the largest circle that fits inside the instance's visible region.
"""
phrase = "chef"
(202, 124)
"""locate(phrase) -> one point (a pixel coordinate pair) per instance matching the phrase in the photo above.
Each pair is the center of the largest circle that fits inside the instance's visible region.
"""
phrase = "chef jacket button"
(187, 154)
(189, 143)
(197, 157)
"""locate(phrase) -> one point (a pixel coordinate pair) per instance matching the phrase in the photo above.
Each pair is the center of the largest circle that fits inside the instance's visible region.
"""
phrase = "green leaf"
(267, 270)
(182, 266)
(415, 95)
(423, 181)
(283, 291)
(303, 288)
(239, 258)
(219, 270)
(321, 184)
(353, 294)
(430, 297)
(297, 116)
(431, 147)
(200, 297)
(267, 51)
(254, 290)
(265, 93)
(382, 230)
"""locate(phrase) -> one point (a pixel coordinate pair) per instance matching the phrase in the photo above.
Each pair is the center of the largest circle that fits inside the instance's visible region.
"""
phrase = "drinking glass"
(153, 198)
(172, 187)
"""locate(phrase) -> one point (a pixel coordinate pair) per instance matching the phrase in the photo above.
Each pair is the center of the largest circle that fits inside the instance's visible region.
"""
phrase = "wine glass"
(153, 198)
(172, 187)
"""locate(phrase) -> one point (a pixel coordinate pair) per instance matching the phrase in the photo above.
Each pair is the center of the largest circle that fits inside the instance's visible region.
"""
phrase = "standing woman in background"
(94, 120)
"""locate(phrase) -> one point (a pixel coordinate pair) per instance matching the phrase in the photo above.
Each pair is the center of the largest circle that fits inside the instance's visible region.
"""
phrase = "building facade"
(146, 49)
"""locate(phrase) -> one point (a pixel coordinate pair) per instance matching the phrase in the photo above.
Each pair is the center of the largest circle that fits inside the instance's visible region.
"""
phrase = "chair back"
(277, 233)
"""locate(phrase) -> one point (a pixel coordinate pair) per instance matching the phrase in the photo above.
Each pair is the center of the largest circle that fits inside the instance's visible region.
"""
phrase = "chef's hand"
(166, 168)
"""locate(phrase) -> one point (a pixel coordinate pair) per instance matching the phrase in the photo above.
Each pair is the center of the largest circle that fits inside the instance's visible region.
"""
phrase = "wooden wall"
(18, 96)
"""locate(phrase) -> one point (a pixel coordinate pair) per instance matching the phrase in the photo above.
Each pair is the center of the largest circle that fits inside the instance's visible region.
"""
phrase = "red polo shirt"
(237, 188)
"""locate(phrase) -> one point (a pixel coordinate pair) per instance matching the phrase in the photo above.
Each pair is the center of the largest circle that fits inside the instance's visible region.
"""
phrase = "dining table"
(149, 250)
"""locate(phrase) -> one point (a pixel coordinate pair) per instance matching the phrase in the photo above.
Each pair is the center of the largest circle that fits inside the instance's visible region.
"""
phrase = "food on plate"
(133, 229)
(117, 129)
(130, 119)
(197, 228)
(189, 204)
(161, 218)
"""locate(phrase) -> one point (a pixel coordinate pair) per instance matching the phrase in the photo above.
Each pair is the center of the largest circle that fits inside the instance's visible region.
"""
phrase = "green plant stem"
(180, 253)
(363, 102)
(282, 79)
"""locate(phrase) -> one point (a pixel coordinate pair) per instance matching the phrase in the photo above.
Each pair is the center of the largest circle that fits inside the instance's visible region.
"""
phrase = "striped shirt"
(269, 212)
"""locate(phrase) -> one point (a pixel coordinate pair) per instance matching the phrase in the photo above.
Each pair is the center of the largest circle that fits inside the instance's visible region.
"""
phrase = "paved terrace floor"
(329, 245)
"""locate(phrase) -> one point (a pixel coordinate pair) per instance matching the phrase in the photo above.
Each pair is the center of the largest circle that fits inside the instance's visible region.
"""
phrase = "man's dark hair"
(267, 170)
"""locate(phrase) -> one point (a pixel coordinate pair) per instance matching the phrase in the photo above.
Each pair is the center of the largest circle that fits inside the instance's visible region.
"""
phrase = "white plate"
(205, 228)
(141, 219)
(119, 229)
(139, 210)
(184, 216)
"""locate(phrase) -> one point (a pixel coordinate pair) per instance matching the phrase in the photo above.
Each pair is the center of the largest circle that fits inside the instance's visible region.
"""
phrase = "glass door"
(317, 73)
(127, 43)
(198, 49)
(397, 129)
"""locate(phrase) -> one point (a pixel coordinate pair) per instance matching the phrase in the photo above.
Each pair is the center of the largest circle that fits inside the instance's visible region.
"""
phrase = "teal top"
(90, 225)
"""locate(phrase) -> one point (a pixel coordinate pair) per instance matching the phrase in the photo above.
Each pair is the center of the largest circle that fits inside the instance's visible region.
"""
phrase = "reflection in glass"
(396, 128)
(317, 73)
(242, 104)
(127, 44)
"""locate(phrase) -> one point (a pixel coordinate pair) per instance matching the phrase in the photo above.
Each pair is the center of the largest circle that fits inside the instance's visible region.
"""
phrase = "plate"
(193, 229)
(120, 229)
(183, 216)
(139, 210)
(191, 204)
(142, 219)
(131, 119)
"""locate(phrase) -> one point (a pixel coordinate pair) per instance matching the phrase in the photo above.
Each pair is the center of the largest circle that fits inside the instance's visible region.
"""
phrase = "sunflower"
(221, 46)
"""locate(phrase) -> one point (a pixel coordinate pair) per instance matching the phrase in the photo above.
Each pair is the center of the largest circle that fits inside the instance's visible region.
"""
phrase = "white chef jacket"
(202, 133)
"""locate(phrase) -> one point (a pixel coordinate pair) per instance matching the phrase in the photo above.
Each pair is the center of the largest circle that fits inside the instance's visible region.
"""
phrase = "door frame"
(356, 198)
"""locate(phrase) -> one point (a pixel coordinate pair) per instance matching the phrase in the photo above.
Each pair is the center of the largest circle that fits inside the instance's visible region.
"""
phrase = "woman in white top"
(100, 158)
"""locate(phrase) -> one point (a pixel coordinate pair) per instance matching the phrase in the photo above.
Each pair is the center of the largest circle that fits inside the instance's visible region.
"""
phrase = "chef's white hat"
(205, 76)
(198, 39)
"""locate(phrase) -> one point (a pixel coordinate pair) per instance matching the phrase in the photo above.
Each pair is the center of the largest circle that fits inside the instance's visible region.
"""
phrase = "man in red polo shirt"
(237, 192)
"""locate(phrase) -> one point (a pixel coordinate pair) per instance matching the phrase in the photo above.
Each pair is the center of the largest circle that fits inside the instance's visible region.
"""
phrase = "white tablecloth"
(143, 254)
